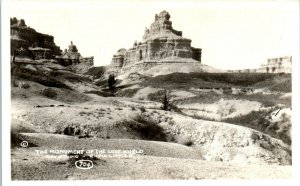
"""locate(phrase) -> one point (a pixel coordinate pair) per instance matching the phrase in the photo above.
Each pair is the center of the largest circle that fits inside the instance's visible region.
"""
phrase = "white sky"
(233, 34)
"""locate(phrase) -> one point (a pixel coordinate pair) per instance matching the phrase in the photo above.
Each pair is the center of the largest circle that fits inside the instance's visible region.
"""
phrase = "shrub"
(24, 85)
(111, 82)
(165, 103)
(148, 129)
(188, 143)
(71, 131)
(142, 109)
(49, 92)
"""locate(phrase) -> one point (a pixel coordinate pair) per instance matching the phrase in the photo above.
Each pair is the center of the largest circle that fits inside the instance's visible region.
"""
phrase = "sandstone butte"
(161, 44)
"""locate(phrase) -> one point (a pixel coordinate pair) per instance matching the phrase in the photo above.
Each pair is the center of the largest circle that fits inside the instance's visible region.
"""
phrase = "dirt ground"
(171, 144)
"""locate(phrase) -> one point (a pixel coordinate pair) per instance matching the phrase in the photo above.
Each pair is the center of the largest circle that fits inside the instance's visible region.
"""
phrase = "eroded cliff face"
(29, 40)
(160, 43)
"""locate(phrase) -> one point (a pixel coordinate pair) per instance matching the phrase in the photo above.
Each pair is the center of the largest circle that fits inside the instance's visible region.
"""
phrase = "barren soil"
(193, 141)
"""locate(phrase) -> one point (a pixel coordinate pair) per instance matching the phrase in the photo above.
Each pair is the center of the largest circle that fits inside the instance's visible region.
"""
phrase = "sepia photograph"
(151, 90)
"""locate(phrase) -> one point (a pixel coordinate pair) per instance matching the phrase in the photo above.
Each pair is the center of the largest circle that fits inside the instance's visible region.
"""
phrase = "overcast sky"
(233, 34)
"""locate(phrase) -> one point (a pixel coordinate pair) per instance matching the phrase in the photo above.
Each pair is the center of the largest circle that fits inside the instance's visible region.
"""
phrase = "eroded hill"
(238, 122)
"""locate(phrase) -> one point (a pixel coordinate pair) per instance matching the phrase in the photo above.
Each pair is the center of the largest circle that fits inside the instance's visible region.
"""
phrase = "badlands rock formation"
(32, 43)
(161, 43)
(72, 56)
(28, 43)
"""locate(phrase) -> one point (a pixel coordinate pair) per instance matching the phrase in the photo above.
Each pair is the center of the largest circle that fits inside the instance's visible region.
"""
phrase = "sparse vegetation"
(148, 129)
(71, 130)
(24, 85)
(111, 82)
(188, 143)
(75, 130)
(49, 92)
(142, 109)
(157, 96)
(165, 103)
(261, 121)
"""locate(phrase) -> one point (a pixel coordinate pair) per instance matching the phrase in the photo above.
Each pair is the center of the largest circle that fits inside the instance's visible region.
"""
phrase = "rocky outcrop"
(31, 43)
(278, 65)
(161, 43)
(72, 56)
(273, 65)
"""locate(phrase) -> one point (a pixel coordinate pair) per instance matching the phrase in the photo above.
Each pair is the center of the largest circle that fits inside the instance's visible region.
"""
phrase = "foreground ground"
(220, 126)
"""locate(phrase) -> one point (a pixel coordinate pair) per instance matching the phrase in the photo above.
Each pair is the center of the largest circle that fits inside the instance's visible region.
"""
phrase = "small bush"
(188, 143)
(142, 109)
(24, 85)
(111, 82)
(71, 130)
(165, 103)
(49, 92)
(148, 129)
